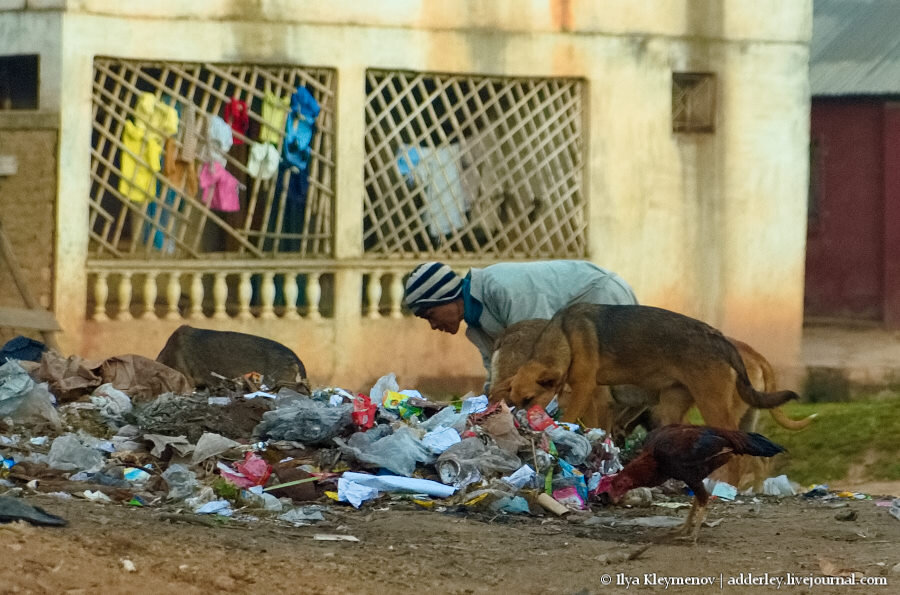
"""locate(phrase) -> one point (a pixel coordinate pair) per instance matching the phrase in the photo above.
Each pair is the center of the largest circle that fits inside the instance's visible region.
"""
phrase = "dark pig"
(197, 353)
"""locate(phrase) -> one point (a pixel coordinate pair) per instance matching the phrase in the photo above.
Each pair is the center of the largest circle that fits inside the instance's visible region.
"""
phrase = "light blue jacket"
(512, 292)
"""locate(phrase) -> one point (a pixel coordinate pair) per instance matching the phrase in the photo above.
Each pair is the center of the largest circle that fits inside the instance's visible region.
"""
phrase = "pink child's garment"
(219, 188)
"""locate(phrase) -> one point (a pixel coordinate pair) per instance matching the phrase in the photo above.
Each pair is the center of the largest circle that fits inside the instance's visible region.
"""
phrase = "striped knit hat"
(431, 284)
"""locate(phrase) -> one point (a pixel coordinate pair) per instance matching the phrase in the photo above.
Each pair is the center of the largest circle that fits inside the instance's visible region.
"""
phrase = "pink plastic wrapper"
(569, 496)
(252, 471)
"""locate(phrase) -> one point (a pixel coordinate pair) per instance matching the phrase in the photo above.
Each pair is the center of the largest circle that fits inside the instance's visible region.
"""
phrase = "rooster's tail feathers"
(751, 443)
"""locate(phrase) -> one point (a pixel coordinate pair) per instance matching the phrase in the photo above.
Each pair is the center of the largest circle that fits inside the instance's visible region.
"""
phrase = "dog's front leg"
(590, 404)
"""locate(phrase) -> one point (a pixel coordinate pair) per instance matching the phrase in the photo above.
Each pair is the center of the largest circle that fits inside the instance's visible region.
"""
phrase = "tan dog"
(683, 360)
(633, 406)
(631, 403)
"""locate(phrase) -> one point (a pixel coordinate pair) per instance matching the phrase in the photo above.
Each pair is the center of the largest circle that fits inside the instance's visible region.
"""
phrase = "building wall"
(27, 206)
(710, 225)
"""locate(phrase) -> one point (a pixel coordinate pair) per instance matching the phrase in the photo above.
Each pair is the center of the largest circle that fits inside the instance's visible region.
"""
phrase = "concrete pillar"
(349, 193)
(72, 234)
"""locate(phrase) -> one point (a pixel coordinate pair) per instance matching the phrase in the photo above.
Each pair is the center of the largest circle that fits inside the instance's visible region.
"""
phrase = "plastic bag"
(304, 420)
(398, 452)
(15, 384)
(572, 447)
(112, 403)
(448, 417)
(37, 405)
(181, 481)
(252, 471)
(68, 454)
(382, 385)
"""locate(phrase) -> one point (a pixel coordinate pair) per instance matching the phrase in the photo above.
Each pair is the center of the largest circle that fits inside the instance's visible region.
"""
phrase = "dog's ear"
(548, 378)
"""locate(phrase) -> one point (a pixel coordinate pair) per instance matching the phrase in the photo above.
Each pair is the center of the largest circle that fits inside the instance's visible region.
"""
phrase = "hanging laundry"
(161, 120)
(143, 143)
(219, 187)
(438, 172)
(274, 114)
(237, 116)
(294, 213)
(181, 172)
(159, 114)
(300, 127)
(138, 162)
(218, 141)
(190, 134)
(263, 162)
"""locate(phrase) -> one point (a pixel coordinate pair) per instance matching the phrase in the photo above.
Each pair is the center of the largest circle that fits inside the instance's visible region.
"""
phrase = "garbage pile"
(241, 450)
(230, 451)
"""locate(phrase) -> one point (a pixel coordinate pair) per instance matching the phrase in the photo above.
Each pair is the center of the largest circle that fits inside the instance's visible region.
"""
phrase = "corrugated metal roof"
(855, 48)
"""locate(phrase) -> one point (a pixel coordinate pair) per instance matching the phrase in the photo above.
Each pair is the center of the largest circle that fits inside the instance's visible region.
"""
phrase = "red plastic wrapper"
(363, 411)
(252, 471)
(538, 419)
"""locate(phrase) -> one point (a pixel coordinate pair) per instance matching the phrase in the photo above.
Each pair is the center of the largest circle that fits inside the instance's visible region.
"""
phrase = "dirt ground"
(403, 548)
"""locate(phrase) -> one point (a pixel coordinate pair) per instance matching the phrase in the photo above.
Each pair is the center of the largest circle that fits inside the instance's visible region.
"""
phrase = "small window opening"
(19, 82)
(693, 102)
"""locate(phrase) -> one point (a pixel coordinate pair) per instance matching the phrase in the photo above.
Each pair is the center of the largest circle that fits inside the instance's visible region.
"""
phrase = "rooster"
(687, 453)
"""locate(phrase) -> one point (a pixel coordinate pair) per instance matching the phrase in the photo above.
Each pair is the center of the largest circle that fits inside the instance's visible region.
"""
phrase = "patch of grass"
(859, 433)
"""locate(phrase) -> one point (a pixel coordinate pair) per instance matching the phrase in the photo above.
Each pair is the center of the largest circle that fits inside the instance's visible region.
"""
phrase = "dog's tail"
(786, 422)
(759, 399)
(751, 396)
(767, 374)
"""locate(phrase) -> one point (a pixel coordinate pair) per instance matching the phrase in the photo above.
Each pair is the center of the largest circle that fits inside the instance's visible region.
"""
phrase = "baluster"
(291, 293)
(396, 295)
(101, 294)
(267, 296)
(373, 294)
(313, 295)
(245, 292)
(124, 312)
(196, 311)
(220, 296)
(150, 293)
(173, 295)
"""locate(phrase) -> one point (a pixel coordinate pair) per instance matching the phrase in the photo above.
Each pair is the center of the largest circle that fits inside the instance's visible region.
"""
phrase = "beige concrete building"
(664, 139)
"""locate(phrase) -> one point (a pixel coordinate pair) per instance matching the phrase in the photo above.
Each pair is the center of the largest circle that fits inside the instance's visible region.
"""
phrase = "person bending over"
(497, 296)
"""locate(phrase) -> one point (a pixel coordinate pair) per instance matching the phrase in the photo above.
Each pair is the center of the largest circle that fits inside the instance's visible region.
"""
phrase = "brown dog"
(631, 403)
(682, 359)
(197, 352)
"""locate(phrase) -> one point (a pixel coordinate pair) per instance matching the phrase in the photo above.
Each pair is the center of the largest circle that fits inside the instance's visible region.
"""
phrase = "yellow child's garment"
(274, 114)
(153, 121)
(137, 181)
(161, 120)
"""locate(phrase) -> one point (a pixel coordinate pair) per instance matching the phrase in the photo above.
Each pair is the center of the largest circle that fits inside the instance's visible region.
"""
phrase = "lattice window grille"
(693, 102)
(499, 170)
(173, 223)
